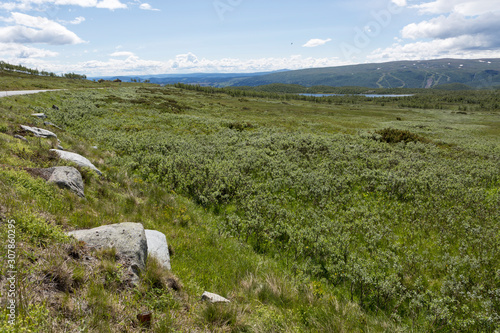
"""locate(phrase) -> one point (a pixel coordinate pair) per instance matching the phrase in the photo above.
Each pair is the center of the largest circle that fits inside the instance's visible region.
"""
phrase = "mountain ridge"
(478, 73)
(475, 73)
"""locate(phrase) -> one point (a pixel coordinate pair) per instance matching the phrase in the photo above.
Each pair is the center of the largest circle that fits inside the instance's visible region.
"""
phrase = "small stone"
(20, 137)
(213, 298)
(39, 115)
(48, 123)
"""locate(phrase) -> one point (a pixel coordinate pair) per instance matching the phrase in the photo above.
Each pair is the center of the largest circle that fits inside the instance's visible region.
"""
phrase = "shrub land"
(340, 214)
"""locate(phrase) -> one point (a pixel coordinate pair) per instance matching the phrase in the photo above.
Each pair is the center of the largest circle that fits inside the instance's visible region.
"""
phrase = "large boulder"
(158, 247)
(128, 239)
(39, 132)
(67, 178)
(78, 159)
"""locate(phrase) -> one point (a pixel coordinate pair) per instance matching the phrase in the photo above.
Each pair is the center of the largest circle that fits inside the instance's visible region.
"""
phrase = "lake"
(366, 95)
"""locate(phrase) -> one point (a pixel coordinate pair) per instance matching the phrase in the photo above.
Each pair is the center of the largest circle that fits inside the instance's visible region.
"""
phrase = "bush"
(392, 135)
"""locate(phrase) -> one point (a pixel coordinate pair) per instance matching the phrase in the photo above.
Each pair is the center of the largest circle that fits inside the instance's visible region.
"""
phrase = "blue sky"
(114, 37)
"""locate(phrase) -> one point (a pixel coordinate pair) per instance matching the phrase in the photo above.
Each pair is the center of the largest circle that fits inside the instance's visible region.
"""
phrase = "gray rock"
(48, 123)
(39, 132)
(20, 137)
(158, 247)
(39, 115)
(78, 159)
(128, 239)
(213, 298)
(67, 178)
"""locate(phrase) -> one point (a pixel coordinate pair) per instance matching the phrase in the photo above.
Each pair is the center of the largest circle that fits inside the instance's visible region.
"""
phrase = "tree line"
(22, 69)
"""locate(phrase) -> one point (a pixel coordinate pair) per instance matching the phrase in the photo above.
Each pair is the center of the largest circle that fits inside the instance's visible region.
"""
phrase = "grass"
(210, 171)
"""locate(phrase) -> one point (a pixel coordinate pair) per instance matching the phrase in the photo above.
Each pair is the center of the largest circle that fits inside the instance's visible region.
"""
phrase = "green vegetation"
(312, 215)
(464, 100)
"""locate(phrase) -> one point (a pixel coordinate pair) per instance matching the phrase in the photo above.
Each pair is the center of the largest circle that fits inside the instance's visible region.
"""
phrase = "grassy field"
(354, 214)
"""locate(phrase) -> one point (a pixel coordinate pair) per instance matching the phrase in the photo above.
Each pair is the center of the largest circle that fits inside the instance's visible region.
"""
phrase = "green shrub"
(392, 135)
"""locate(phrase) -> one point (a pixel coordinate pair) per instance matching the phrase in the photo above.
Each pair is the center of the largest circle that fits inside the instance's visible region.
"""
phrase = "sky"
(133, 37)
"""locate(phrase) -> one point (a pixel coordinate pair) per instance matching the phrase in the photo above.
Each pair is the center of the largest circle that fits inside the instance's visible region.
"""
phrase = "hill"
(400, 74)
(443, 73)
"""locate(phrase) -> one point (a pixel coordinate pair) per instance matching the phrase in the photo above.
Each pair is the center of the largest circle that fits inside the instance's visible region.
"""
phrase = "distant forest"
(22, 69)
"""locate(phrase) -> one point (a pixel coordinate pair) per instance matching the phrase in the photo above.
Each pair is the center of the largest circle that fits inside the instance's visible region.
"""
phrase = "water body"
(366, 95)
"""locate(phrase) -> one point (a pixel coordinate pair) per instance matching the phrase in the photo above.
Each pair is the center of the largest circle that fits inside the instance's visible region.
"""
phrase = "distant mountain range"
(399, 74)
(478, 73)
(203, 79)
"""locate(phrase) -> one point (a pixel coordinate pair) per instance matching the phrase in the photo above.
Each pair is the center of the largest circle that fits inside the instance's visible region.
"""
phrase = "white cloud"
(111, 4)
(467, 47)
(31, 29)
(464, 7)
(316, 42)
(452, 26)
(14, 53)
(147, 6)
(463, 29)
(77, 20)
(25, 5)
(10, 6)
(122, 54)
(400, 3)
(182, 63)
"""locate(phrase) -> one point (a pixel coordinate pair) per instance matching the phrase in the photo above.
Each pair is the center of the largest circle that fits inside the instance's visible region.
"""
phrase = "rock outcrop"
(67, 178)
(158, 247)
(78, 159)
(39, 132)
(128, 239)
